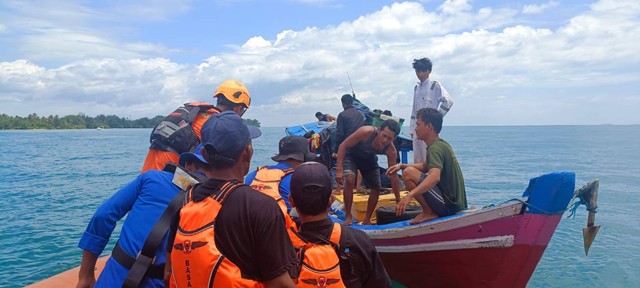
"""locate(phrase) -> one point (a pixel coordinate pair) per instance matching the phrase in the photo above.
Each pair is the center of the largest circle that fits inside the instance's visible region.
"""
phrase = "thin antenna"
(352, 93)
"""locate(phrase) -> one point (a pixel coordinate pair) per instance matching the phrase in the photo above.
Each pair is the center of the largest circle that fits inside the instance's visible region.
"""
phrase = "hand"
(86, 281)
(339, 176)
(394, 169)
(403, 204)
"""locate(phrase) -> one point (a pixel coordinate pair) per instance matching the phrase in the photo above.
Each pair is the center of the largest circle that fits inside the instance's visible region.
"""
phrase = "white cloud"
(498, 72)
(538, 8)
(65, 31)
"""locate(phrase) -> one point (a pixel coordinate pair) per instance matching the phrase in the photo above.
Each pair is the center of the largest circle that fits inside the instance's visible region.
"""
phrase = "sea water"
(51, 182)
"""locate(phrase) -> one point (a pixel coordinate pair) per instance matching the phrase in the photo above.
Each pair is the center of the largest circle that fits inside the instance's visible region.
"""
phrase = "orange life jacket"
(319, 264)
(195, 259)
(268, 181)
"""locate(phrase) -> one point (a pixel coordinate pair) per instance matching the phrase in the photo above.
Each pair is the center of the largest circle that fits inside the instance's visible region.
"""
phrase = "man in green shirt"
(437, 184)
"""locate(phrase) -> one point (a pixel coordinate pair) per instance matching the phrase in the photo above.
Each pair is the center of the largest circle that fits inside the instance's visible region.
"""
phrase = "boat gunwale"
(507, 209)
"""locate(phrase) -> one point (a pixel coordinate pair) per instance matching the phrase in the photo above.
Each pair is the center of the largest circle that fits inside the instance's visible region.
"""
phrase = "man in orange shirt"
(179, 132)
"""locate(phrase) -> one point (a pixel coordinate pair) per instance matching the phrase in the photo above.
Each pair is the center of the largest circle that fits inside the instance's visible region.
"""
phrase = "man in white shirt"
(426, 94)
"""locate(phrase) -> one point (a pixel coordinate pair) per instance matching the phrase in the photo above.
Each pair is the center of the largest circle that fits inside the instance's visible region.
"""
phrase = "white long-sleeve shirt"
(430, 94)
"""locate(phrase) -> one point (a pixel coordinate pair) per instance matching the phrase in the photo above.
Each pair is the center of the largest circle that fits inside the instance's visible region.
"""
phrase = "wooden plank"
(68, 278)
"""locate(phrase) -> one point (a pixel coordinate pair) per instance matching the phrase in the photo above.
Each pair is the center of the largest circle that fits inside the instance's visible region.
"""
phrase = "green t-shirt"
(440, 155)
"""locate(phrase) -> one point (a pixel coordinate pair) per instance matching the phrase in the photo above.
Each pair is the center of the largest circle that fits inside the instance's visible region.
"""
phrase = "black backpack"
(175, 133)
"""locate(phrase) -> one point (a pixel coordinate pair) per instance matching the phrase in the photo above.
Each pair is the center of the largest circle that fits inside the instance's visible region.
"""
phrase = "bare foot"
(422, 217)
(347, 221)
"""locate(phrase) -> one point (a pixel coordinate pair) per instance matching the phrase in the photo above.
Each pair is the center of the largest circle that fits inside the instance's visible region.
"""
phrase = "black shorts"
(371, 177)
(436, 201)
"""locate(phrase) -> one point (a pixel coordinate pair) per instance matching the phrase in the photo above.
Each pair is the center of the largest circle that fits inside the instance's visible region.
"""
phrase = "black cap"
(294, 147)
(311, 174)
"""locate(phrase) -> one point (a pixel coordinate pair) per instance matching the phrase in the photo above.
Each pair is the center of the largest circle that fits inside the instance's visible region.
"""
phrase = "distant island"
(82, 121)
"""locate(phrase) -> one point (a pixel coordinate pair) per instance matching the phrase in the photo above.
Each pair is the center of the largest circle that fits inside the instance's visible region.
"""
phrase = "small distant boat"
(302, 129)
(100, 128)
(496, 246)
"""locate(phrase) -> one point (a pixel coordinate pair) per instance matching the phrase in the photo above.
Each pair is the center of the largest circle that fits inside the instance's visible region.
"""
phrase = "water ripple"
(52, 182)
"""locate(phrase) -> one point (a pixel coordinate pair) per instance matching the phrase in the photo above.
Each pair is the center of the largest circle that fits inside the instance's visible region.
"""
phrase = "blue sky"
(504, 62)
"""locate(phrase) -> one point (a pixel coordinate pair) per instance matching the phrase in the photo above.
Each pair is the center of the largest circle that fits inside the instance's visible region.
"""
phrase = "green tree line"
(82, 121)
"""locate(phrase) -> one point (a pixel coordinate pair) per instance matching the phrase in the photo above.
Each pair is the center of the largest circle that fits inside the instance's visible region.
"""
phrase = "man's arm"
(397, 167)
(392, 159)
(86, 276)
(358, 136)
(443, 98)
(339, 134)
(330, 118)
(98, 231)
(285, 190)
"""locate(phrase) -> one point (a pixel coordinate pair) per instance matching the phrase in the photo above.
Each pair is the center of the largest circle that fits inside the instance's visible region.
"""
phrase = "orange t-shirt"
(157, 159)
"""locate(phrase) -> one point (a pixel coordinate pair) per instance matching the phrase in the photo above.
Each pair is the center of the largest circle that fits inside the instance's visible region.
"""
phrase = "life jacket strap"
(155, 270)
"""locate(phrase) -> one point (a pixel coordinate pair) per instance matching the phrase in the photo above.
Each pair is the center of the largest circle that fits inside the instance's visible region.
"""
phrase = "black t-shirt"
(363, 267)
(348, 122)
(249, 230)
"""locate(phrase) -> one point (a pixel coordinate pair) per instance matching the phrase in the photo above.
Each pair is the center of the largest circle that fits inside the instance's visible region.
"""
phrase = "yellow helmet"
(235, 92)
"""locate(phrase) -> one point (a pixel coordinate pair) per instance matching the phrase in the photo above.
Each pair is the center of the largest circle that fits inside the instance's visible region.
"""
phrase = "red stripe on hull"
(475, 267)
(488, 267)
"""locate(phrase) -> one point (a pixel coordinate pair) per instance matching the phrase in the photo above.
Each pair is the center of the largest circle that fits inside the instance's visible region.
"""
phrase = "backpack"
(174, 133)
(319, 264)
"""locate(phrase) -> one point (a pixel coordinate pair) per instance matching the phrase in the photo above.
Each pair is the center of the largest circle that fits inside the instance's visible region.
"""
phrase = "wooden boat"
(496, 246)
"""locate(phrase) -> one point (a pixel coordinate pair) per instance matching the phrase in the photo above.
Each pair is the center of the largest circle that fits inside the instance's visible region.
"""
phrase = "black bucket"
(387, 214)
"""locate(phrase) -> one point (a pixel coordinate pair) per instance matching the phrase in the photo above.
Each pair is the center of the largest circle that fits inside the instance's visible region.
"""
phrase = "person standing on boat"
(249, 228)
(426, 94)
(143, 200)
(437, 184)
(348, 122)
(360, 264)
(325, 117)
(358, 153)
(292, 151)
(180, 131)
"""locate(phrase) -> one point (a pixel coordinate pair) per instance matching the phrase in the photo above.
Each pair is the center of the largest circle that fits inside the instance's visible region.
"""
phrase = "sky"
(503, 62)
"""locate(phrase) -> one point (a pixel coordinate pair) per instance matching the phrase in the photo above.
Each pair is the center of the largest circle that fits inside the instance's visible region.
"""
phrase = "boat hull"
(500, 253)
(497, 246)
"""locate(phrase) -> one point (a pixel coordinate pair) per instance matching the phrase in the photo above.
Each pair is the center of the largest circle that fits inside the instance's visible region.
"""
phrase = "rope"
(576, 204)
(535, 207)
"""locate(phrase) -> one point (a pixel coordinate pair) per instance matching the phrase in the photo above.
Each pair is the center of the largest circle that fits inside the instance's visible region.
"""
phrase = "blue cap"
(190, 156)
(225, 135)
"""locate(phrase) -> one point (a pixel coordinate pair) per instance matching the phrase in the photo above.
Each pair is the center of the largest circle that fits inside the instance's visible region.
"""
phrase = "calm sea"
(52, 182)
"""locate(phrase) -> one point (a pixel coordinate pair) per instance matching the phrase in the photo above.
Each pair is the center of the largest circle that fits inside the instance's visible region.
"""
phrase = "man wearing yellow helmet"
(179, 132)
